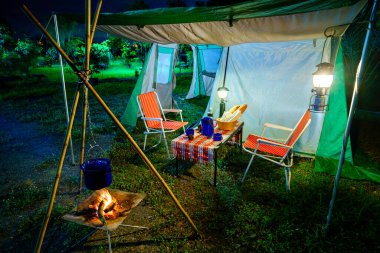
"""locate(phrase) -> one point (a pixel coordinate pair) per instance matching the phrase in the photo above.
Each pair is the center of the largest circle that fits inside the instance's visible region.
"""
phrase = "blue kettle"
(207, 127)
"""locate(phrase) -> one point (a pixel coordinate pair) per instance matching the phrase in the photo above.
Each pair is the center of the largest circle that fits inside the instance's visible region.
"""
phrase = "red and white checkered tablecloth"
(200, 148)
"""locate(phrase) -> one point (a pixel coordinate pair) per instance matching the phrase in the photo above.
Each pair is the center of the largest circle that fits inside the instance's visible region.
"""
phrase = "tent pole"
(58, 175)
(63, 86)
(85, 91)
(354, 101)
(222, 106)
(109, 112)
(199, 71)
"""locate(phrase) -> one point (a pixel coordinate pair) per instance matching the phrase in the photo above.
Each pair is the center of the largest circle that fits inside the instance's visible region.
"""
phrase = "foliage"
(176, 3)
(66, 28)
(50, 58)
(75, 49)
(10, 59)
(23, 56)
(185, 57)
(134, 50)
(7, 41)
(100, 55)
(138, 5)
(115, 46)
(27, 49)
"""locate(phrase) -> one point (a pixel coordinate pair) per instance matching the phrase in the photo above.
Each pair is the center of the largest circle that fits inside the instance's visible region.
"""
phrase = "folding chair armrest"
(270, 125)
(259, 141)
(278, 127)
(153, 119)
(172, 110)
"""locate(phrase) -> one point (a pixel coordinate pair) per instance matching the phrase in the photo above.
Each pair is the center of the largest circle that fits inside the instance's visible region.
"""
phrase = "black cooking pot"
(97, 173)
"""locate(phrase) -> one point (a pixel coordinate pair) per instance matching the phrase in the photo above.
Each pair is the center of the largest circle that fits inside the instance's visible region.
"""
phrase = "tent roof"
(251, 21)
(249, 9)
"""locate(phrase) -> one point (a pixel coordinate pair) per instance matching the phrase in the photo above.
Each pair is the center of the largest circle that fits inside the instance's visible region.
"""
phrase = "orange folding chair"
(279, 152)
(154, 118)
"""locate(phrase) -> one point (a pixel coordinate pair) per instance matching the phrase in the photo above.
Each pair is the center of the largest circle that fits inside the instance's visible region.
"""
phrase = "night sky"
(42, 9)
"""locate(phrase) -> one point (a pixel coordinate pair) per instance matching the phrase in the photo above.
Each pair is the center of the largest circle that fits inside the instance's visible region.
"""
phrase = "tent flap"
(254, 21)
(206, 60)
(157, 74)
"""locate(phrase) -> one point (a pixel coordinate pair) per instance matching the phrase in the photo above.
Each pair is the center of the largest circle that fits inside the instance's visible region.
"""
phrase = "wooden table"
(204, 150)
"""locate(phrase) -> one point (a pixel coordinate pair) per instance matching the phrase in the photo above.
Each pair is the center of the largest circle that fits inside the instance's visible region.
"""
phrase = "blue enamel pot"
(97, 173)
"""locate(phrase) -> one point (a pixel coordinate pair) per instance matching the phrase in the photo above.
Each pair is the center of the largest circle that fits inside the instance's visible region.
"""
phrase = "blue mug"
(190, 133)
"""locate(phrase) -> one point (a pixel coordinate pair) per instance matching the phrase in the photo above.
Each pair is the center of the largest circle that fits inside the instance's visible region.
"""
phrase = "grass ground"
(258, 216)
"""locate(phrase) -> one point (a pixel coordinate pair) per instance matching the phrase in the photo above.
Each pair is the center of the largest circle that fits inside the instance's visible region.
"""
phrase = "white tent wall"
(275, 80)
(205, 60)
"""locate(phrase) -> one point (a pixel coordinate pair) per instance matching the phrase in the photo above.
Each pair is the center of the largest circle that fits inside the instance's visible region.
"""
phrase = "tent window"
(164, 65)
(210, 60)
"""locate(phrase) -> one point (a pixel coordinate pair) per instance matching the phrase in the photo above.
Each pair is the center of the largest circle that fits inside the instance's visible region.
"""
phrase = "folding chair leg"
(247, 169)
(146, 137)
(166, 145)
(109, 241)
(288, 175)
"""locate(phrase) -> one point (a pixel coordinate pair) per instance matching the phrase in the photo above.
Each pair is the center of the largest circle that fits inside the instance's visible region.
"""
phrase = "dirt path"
(23, 146)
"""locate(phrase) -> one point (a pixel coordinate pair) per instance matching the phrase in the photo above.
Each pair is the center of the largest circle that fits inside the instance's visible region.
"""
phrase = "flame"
(106, 197)
(98, 197)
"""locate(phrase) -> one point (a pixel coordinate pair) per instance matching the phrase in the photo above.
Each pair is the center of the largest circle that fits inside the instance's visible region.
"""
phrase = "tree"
(200, 3)
(223, 2)
(100, 55)
(138, 5)
(176, 3)
(75, 49)
(7, 41)
(51, 57)
(115, 46)
(28, 52)
(66, 28)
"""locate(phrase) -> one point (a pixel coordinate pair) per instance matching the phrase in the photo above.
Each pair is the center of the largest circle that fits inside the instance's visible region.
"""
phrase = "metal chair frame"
(286, 161)
(161, 131)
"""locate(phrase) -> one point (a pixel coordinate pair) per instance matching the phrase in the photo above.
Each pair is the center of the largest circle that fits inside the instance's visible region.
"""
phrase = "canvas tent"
(295, 30)
(157, 74)
(206, 59)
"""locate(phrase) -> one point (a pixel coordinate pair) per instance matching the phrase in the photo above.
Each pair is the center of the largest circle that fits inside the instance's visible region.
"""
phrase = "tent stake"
(354, 101)
(117, 122)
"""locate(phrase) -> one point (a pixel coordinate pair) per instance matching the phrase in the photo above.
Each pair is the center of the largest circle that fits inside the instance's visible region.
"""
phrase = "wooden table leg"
(176, 165)
(215, 165)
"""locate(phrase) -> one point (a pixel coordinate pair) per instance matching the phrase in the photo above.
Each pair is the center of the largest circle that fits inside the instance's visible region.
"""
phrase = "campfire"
(101, 206)
(105, 208)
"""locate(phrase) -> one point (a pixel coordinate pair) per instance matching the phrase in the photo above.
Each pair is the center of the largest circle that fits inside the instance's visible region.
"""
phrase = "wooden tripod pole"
(113, 117)
(58, 175)
(89, 38)
(85, 92)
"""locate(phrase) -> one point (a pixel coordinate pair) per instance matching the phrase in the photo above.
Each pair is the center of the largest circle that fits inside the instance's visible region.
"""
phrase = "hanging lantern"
(322, 80)
(323, 77)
